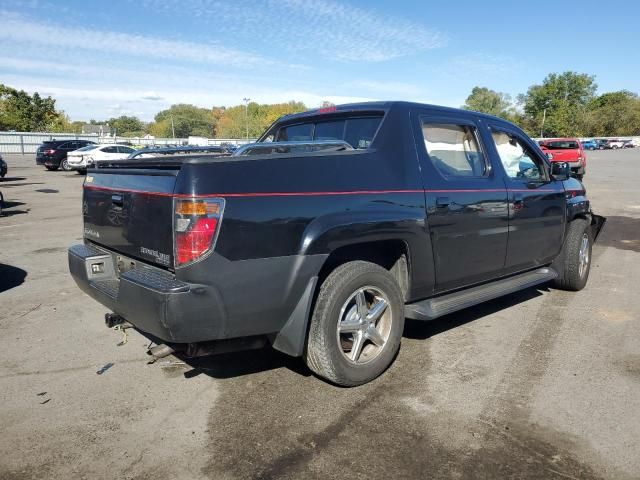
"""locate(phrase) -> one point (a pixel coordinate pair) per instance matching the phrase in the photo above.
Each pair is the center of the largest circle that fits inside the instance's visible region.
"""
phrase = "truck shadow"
(11, 277)
(621, 232)
(237, 364)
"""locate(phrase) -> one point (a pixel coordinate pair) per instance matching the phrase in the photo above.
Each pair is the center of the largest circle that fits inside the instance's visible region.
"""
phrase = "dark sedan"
(53, 153)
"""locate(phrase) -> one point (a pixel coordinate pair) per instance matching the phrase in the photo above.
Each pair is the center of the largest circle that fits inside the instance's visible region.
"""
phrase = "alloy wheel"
(364, 325)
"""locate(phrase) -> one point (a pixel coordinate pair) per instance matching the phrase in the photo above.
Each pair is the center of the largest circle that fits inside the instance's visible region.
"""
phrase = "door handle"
(442, 202)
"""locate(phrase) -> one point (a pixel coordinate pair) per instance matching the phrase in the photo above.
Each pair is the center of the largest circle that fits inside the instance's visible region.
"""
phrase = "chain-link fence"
(28, 142)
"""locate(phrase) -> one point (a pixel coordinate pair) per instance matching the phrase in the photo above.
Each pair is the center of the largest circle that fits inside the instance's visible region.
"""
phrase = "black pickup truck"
(325, 235)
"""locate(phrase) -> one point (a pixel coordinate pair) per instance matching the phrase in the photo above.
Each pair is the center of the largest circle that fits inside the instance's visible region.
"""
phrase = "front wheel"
(574, 263)
(357, 324)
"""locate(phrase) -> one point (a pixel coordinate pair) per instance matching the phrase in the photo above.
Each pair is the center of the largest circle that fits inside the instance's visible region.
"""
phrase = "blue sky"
(136, 57)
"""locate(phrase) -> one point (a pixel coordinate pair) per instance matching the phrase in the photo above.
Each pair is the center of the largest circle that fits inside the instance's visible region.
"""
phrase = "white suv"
(86, 156)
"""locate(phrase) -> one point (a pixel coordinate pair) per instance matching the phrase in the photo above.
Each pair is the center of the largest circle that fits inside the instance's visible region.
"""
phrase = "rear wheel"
(50, 167)
(574, 262)
(357, 324)
(64, 164)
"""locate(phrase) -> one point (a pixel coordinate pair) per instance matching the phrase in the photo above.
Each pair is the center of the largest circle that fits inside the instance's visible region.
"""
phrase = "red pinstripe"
(311, 194)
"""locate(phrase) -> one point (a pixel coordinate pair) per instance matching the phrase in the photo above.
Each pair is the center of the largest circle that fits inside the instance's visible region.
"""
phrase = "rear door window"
(454, 149)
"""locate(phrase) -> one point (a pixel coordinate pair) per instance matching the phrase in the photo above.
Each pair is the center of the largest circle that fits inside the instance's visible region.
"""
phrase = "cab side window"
(516, 157)
(454, 149)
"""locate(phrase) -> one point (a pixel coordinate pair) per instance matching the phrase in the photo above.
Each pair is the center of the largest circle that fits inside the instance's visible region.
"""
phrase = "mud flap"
(597, 222)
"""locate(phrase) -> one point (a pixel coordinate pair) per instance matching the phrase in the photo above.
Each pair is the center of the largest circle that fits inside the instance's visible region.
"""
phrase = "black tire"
(64, 164)
(571, 276)
(51, 168)
(81, 171)
(325, 353)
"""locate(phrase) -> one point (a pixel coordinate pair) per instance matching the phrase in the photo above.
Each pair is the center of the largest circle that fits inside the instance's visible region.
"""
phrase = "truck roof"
(381, 105)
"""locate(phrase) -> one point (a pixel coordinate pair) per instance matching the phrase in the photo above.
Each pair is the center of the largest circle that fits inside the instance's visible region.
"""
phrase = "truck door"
(536, 202)
(466, 200)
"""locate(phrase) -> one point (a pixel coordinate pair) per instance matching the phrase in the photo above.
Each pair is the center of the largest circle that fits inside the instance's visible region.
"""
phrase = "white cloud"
(483, 63)
(316, 28)
(18, 30)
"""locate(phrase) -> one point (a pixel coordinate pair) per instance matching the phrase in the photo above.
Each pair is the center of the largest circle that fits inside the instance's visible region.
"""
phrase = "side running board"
(436, 307)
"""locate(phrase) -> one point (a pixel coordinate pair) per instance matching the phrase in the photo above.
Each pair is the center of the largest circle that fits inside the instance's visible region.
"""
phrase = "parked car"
(418, 211)
(566, 150)
(53, 153)
(615, 143)
(87, 156)
(603, 143)
(628, 144)
(3, 167)
(589, 144)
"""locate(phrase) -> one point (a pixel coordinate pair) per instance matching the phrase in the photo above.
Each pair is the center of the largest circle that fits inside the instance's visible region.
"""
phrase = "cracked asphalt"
(538, 384)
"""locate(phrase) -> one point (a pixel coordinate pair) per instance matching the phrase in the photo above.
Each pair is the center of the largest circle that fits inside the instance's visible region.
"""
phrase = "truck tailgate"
(130, 211)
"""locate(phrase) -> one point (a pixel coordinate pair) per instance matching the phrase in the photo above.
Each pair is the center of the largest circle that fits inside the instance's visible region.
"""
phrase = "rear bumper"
(149, 298)
(267, 296)
(48, 161)
(75, 164)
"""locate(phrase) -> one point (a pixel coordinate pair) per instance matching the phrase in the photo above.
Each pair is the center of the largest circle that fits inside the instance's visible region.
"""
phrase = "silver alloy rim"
(364, 325)
(65, 165)
(584, 255)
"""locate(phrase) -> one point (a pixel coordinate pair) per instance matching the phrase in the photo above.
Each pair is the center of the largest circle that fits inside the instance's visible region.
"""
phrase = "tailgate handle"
(116, 200)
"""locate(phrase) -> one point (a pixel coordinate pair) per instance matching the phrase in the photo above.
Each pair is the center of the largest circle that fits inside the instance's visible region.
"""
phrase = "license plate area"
(124, 264)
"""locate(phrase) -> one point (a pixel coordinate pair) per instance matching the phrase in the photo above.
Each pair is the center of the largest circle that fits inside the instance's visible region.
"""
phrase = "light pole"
(246, 114)
(544, 117)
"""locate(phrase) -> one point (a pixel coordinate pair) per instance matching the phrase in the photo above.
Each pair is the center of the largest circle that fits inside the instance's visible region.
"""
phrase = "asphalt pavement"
(538, 384)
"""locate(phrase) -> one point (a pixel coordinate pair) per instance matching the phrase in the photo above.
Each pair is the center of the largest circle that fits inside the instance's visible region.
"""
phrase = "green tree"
(233, 121)
(126, 126)
(28, 113)
(560, 102)
(187, 120)
(613, 114)
(489, 101)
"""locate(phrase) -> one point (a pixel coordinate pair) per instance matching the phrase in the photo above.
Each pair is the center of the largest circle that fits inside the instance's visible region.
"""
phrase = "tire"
(81, 171)
(572, 265)
(51, 168)
(351, 290)
(64, 164)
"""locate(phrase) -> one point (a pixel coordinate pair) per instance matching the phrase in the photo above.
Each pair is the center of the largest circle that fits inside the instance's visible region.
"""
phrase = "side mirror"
(549, 155)
(560, 170)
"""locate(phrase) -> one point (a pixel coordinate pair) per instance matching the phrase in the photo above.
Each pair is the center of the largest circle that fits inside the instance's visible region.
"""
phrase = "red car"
(566, 150)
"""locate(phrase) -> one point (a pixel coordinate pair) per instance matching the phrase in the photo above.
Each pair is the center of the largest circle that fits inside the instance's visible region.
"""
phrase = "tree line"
(563, 105)
(22, 112)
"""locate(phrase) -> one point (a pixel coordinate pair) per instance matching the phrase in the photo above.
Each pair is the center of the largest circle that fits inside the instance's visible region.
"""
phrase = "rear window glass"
(562, 145)
(358, 132)
(296, 133)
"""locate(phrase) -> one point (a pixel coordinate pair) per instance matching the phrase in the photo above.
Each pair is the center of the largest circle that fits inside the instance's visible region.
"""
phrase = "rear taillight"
(196, 225)
(49, 151)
